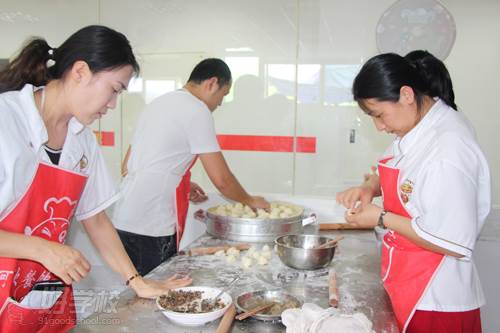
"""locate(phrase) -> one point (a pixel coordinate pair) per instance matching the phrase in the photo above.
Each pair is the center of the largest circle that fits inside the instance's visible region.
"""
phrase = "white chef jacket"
(22, 136)
(171, 131)
(450, 201)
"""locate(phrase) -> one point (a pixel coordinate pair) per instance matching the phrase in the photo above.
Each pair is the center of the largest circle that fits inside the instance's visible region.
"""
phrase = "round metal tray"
(249, 300)
(252, 229)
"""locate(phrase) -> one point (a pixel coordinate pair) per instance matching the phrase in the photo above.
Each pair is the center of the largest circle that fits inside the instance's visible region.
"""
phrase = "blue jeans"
(148, 252)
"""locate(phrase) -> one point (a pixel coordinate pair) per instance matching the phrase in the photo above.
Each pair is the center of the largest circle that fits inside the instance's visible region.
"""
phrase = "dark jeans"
(148, 252)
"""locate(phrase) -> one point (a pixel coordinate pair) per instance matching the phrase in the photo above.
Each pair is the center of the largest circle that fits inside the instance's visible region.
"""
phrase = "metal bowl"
(297, 251)
(249, 300)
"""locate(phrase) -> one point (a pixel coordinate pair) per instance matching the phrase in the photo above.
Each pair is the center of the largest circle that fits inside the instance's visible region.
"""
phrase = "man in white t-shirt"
(171, 133)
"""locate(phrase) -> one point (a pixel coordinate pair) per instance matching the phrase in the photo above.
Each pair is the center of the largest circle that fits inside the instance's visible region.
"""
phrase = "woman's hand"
(196, 193)
(147, 288)
(64, 261)
(364, 216)
(351, 196)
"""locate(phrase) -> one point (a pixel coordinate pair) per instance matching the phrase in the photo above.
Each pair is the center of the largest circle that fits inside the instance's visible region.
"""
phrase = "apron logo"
(83, 162)
(406, 190)
(56, 224)
(4, 276)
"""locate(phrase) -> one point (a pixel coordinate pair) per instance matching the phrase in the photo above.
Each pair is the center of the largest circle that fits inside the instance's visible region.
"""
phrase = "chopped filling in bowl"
(188, 302)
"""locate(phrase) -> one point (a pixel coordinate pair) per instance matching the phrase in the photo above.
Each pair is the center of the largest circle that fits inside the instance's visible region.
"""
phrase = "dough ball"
(275, 211)
(246, 262)
(255, 255)
(232, 251)
(251, 250)
(266, 248)
(220, 253)
(231, 259)
(288, 211)
(262, 214)
(252, 214)
(221, 211)
(247, 209)
(266, 254)
(262, 261)
(274, 205)
(274, 216)
(235, 214)
(283, 215)
(238, 206)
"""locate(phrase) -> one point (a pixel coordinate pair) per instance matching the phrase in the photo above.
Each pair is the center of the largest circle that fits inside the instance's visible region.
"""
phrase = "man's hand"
(258, 202)
(196, 193)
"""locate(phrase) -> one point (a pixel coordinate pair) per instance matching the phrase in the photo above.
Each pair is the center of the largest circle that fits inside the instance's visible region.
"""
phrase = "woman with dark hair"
(435, 185)
(51, 169)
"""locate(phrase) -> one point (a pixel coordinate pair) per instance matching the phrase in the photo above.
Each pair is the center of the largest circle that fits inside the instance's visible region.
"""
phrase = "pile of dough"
(251, 257)
(230, 254)
(278, 210)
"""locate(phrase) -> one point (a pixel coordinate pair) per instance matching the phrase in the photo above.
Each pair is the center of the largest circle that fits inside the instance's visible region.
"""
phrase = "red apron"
(406, 269)
(45, 210)
(182, 201)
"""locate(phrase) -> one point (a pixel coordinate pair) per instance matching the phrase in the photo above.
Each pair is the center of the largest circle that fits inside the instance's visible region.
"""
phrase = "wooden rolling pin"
(330, 243)
(253, 311)
(341, 226)
(227, 320)
(201, 251)
(333, 293)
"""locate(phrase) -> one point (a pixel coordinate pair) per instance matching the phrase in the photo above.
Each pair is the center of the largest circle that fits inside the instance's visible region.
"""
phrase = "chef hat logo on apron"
(54, 222)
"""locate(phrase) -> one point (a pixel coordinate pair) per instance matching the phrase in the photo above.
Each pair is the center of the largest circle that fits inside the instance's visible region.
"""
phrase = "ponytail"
(29, 66)
(434, 74)
(100, 47)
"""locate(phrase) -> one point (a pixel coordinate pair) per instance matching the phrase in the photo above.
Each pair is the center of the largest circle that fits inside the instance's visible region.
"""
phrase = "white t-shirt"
(171, 131)
(450, 201)
(22, 135)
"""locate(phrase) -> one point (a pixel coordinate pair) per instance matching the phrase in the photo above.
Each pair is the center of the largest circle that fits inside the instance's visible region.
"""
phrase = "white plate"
(197, 319)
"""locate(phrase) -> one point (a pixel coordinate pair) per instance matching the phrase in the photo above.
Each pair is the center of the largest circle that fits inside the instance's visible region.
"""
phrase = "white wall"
(313, 36)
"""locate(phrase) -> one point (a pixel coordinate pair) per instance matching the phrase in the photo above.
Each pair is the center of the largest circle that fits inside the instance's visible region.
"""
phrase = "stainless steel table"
(356, 262)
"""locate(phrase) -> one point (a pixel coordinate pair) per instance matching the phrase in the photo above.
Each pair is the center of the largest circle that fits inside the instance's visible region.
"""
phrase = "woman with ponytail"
(435, 187)
(51, 170)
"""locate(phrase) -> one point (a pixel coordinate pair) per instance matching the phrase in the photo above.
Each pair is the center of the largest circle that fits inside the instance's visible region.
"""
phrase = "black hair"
(211, 67)
(382, 77)
(100, 47)
(435, 75)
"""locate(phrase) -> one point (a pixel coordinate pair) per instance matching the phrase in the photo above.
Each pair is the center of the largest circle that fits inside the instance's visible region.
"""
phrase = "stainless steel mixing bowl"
(297, 251)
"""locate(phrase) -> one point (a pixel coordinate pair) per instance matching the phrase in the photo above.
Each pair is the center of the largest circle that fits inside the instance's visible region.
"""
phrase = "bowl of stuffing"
(193, 306)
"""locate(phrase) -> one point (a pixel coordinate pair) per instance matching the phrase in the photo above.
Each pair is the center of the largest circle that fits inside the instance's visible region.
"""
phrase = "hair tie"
(51, 61)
